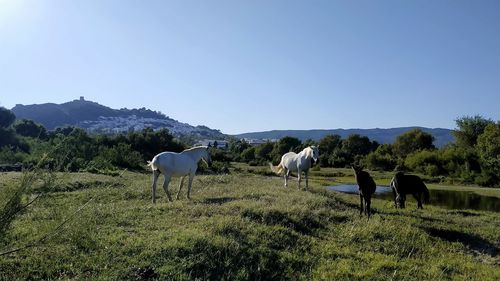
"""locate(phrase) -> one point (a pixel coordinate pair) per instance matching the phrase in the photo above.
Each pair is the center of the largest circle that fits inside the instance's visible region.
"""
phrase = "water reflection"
(444, 198)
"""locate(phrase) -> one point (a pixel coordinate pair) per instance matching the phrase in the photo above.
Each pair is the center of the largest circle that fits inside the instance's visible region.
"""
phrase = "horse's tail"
(276, 169)
(153, 164)
(426, 193)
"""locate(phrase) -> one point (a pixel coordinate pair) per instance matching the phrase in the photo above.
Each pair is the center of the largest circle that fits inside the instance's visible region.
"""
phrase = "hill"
(101, 119)
(442, 136)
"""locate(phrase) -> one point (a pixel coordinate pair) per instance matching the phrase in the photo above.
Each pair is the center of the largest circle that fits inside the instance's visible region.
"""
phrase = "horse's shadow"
(218, 200)
(473, 242)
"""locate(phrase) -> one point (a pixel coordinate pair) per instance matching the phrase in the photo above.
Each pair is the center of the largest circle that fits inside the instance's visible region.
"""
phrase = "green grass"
(243, 226)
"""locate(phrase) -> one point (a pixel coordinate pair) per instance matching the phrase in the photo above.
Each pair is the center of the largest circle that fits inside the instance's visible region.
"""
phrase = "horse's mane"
(195, 148)
(309, 150)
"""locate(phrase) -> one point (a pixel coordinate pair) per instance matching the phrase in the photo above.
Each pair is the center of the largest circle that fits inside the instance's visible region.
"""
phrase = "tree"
(488, 147)
(236, 147)
(263, 151)
(73, 151)
(469, 129)
(358, 145)
(339, 159)
(8, 136)
(28, 128)
(412, 141)
(6, 117)
(327, 146)
(248, 154)
(352, 151)
(285, 145)
(309, 142)
(424, 161)
(149, 143)
(381, 159)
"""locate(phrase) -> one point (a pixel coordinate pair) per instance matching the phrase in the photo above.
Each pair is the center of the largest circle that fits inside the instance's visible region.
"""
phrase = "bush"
(220, 167)
(121, 155)
(380, 159)
(248, 154)
(425, 162)
(11, 155)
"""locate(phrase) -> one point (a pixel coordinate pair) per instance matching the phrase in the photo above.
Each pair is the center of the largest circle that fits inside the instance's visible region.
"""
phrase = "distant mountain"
(102, 119)
(442, 136)
(98, 118)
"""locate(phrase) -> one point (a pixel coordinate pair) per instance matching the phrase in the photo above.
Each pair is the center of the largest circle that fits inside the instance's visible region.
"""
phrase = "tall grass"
(240, 227)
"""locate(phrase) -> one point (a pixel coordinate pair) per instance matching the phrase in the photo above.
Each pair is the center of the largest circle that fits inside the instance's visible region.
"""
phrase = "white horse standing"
(180, 164)
(293, 162)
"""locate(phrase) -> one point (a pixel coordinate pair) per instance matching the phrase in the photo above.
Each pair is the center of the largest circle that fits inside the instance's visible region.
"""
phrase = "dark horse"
(366, 187)
(402, 184)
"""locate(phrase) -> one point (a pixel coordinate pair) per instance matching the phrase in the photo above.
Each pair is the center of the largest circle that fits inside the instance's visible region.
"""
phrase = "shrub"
(424, 161)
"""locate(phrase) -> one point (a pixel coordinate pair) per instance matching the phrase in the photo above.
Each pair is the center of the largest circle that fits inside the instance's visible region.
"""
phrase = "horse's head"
(400, 202)
(207, 158)
(356, 169)
(313, 152)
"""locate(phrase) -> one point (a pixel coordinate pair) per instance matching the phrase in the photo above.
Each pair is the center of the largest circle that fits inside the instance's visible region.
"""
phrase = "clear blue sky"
(242, 66)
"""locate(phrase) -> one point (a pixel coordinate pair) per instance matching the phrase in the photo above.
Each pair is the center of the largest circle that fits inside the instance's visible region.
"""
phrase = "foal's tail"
(276, 169)
(153, 164)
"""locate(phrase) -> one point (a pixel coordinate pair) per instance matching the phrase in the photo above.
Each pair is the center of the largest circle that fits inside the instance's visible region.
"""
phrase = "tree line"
(473, 158)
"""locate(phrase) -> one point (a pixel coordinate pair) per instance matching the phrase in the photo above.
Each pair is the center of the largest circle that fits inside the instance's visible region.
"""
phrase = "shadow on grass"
(146, 273)
(78, 185)
(473, 242)
(304, 223)
(218, 200)
(402, 215)
(465, 213)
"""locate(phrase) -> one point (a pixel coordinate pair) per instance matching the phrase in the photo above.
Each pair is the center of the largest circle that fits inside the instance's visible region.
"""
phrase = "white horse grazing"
(293, 162)
(180, 164)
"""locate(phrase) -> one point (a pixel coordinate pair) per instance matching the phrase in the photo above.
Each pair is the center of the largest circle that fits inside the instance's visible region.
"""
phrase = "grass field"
(242, 226)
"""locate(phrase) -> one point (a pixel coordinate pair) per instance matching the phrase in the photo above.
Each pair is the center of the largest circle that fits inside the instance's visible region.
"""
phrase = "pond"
(444, 198)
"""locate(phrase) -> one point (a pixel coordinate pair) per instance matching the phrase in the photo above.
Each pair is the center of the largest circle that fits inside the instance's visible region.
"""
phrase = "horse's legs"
(307, 179)
(156, 174)
(287, 174)
(396, 197)
(368, 202)
(165, 187)
(190, 183)
(361, 207)
(418, 197)
(180, 187)
(403, 200)
(300, 178)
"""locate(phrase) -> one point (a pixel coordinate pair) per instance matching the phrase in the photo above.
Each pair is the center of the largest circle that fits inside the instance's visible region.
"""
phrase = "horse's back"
(366, 182)
(289, 161)
(173, 163)
(409, 183)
